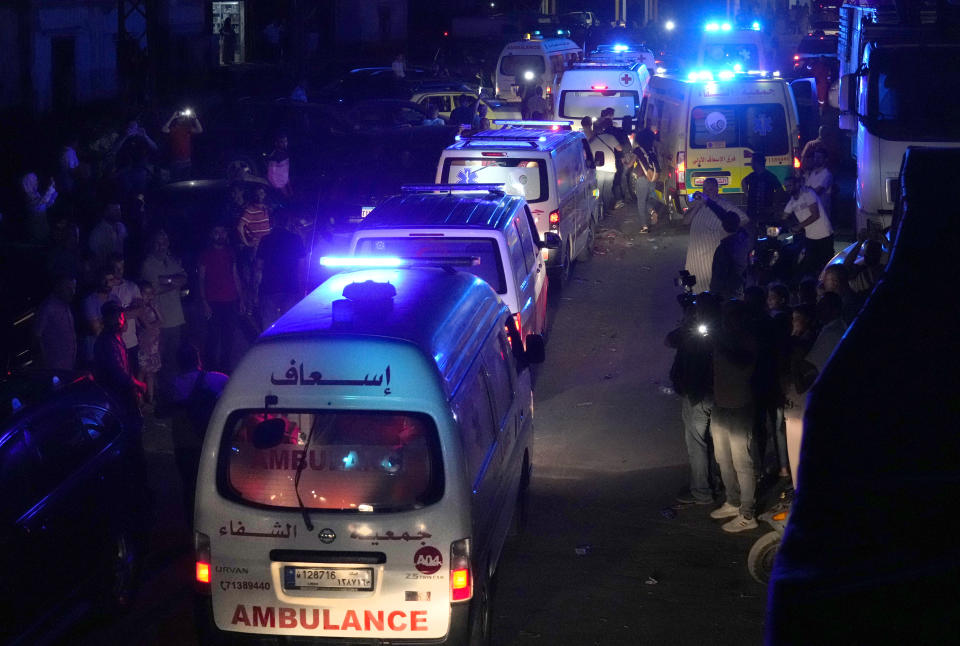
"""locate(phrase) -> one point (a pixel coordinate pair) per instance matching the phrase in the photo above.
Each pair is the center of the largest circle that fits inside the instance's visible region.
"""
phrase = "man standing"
(645, 176)
(607, 144)
(168, 278)
(181, 126)
(109, 236)
(127, 295)
(111, 367)
(706, 231)
(812, 220)
(280, 257)
(728, 273)
(731, 421)
(764, 192)
(54, 332)
(536, 107)
(820, 179)
(218, 284)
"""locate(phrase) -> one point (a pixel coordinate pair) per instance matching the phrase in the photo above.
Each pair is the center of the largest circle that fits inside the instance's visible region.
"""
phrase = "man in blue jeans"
(645, 174)
(731, 421)
(692, 377)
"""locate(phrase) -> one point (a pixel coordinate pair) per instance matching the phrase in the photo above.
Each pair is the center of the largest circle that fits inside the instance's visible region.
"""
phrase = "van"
(552, 169)
(526, 64)
(737, 50)
(362, 469)
(710, 128)
(477, 229)
(587, 88)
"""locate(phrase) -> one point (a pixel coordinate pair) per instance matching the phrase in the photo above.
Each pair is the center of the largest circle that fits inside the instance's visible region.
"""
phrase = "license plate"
(327, 578)
(721, 181)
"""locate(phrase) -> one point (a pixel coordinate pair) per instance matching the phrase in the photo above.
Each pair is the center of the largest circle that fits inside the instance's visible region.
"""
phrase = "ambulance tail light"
(555, 220)
(518, 321)
(201, 548)
(682, 170)
(598, 87)
(461, 579)
(796, 162)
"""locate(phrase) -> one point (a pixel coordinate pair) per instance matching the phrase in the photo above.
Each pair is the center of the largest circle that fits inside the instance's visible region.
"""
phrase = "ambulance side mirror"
(549, 240)
(598, 158)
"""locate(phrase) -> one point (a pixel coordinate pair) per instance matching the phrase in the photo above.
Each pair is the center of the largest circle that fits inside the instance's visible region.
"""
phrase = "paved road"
(609, 460)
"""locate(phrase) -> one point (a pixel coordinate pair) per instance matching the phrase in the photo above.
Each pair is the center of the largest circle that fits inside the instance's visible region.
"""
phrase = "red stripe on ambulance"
(311, 618)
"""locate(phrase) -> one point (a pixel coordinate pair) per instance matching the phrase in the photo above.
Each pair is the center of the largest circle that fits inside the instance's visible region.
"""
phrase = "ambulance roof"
(446, 314)
(518, 139)
(473, 210)
(536, 44)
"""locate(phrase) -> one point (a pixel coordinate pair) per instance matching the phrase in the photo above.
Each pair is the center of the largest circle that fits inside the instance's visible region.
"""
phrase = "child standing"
(149, 322)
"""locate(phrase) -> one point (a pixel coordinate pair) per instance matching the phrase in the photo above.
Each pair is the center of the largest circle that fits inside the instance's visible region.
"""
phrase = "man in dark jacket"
(692, 377)
(730, 259)
(111, 366)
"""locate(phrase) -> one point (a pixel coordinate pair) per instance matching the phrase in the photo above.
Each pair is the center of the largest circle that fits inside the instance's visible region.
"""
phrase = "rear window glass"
(761, 127)
(586, 103)
(348, 461)
(516, 65)
(479, 256)
(524, 177)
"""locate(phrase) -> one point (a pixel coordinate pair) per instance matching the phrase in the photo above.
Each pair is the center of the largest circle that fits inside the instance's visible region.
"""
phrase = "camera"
(686, 280)
(186, 112)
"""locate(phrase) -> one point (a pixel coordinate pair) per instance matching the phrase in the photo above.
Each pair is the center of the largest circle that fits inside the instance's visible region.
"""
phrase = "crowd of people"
(748, 348)
(121, 303)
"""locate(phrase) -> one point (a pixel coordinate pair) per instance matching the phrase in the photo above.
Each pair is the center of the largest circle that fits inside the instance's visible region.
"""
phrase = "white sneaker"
(726, 510)
(740, 524)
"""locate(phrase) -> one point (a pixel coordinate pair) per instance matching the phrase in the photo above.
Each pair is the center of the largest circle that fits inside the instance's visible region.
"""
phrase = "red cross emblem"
(626, 79)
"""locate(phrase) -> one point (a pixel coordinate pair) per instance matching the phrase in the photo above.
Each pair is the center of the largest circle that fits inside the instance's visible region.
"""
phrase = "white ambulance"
(362, 469)
(526, 64)
(474, 228)
(588, 88)
(552, 168)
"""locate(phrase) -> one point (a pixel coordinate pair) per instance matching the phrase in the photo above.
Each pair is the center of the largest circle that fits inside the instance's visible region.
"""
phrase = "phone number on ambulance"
(244, 585)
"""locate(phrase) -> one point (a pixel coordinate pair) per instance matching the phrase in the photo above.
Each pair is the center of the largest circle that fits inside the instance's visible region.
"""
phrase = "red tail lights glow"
(518, 321)
(555, 216)
(598, 87)
(493, 154)
(796, 162)
(681, 170)
(461, 579)
(203, 573)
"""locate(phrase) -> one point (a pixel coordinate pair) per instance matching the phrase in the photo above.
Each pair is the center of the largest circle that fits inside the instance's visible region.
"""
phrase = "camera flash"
(702, 329)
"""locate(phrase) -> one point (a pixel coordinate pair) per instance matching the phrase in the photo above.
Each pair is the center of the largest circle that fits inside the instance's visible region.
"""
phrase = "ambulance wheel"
(761, 556)
(481, 612)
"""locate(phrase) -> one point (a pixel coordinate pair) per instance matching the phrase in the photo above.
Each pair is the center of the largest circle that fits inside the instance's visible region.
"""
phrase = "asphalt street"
(607, 557)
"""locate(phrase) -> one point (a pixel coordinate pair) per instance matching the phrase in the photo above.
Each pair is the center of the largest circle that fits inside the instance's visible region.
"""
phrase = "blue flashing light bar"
(725, 26)
(725, 75)
(361, 262)
(451, 188)
(670, 25)
(621, 48)
(755, 25)
(527, 123)
(712, 26)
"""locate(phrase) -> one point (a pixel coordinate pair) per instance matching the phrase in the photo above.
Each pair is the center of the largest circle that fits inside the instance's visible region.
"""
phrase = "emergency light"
(530, 123)
(621, 48)
(755, 26)
(670, 25)
(361, 262)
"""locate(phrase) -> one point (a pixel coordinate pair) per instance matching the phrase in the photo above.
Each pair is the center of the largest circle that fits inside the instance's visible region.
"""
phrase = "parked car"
(73, 515)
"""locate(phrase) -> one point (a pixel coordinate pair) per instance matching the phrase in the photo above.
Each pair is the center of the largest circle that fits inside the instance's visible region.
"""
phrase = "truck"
(897, 79)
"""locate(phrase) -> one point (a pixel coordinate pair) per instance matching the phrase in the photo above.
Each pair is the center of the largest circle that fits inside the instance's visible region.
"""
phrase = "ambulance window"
(528, 246)
(475, 416)
(516, 65)
(765, 128)
(352, 461)
(515, 251)
(524, 177)
(714, 126)
(566, 165)
(496, 357)
(556, 63)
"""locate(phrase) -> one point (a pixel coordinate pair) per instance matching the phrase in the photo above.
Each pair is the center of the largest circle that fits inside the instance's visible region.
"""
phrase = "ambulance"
(526, 64)
(723, 46)
(711, 125)
(588, 88)
(365, 464)
(551, 168)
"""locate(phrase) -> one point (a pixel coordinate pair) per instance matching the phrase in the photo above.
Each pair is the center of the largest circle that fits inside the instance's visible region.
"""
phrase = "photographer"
(181, 127)
(706, 230)
(692, 377)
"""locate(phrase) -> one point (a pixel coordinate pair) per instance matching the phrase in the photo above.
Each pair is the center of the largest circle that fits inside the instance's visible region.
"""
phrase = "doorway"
(229, 28)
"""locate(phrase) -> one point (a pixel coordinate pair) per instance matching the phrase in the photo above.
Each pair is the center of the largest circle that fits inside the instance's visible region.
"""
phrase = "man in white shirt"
(109, 236)
(609, 146)
(706, 231)
(812, 219)
(820, 179)
(126, 294)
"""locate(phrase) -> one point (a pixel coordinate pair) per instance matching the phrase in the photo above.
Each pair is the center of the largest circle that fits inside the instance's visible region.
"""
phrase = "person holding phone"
(181, 128)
